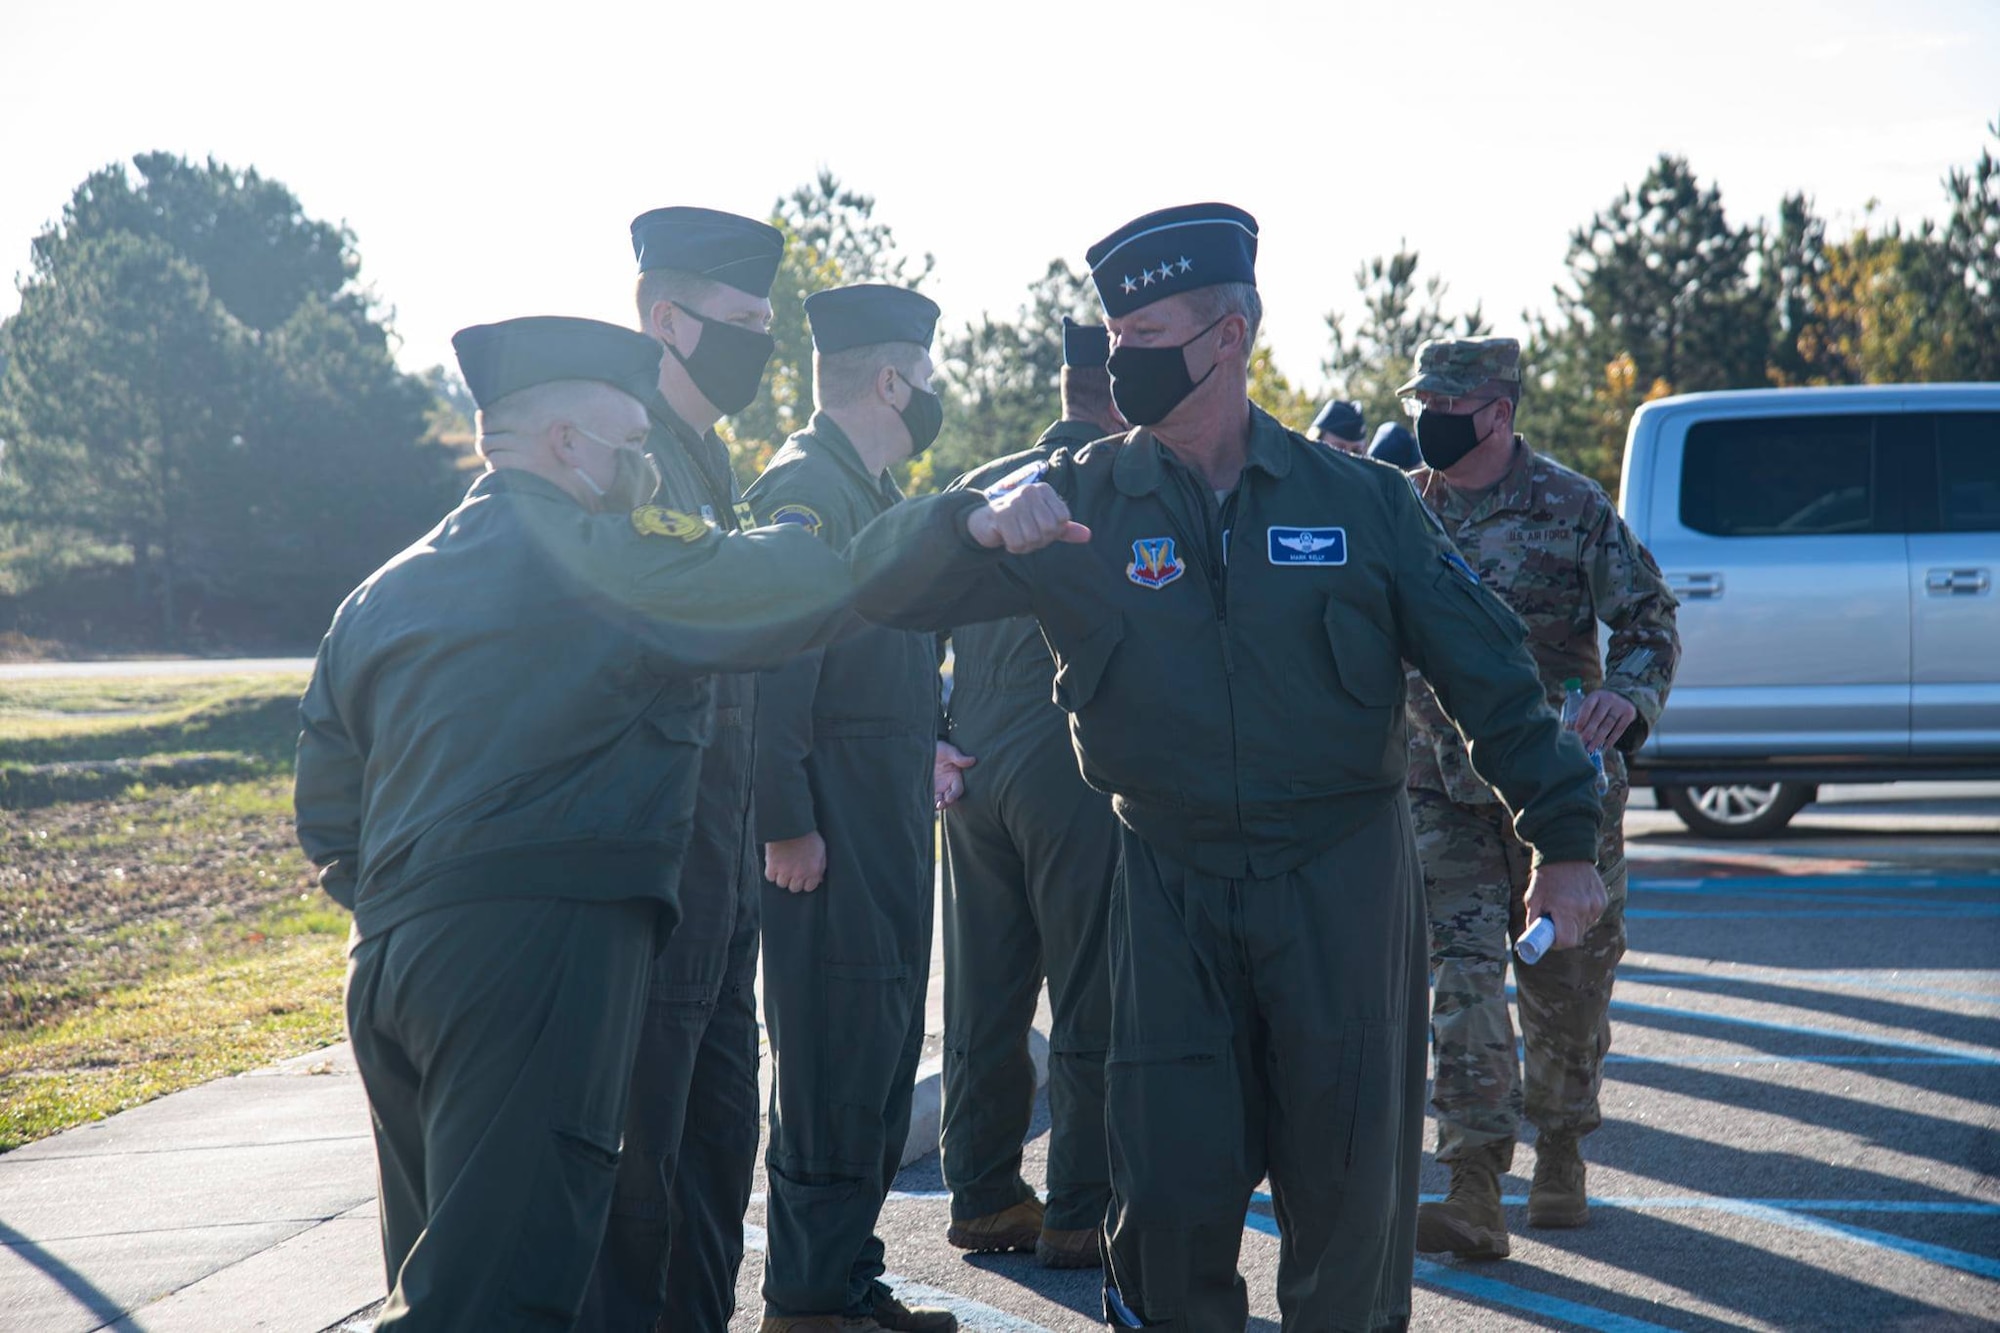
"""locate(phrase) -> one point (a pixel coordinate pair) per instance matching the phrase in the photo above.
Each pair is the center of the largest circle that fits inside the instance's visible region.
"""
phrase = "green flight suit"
(846, 741)
(497, 773)
(675, 1239)
(1233, 675)
(1030, 852)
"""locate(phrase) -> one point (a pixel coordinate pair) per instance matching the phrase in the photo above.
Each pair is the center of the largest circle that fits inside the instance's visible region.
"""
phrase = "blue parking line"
(1942, 883)
(1495, 1292)
(1806, 1030)
(1950, 911)
(1977, 1264)
(1863, 981)
(1641, 1203)
(1933, 1061)
(1723, 890)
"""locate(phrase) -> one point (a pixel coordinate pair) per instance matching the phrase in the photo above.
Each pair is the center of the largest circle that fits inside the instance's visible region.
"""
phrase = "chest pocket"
(1083, 664)
(1364, 656)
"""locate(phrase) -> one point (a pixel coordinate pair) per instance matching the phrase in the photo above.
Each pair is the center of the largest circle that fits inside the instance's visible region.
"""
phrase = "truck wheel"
(1738, 810)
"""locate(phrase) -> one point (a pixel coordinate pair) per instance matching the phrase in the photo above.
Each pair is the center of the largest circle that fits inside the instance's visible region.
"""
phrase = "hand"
(797, 865)
(1024, 520)
(948, 773)
(1604, 718)
(1570, 894)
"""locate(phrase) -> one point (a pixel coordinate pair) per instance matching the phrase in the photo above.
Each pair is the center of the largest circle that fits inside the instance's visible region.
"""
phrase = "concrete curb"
(927, 1101)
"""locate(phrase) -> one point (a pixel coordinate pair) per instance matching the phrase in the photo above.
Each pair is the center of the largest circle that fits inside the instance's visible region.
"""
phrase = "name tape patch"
(1308, 546)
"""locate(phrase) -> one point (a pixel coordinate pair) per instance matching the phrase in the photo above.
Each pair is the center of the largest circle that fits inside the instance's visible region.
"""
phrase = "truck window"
(1969, 471)
(1780, 477)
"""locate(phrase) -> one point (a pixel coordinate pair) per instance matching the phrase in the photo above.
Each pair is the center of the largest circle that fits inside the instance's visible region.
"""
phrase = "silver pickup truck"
(1835, 553)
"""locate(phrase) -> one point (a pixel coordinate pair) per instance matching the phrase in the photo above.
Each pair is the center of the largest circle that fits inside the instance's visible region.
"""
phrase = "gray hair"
(1209, 304)
(846, 377)
(532, 410)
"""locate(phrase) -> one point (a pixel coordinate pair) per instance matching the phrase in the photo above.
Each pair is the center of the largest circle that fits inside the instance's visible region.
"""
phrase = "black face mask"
(1443, 440)
(728, 363)
(1148, 383)
(923, 417)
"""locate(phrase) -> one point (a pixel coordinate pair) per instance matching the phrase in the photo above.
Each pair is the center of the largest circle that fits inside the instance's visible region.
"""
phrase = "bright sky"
(489, 156)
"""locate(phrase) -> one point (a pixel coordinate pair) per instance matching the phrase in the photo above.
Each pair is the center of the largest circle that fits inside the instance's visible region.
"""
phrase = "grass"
(161, 929)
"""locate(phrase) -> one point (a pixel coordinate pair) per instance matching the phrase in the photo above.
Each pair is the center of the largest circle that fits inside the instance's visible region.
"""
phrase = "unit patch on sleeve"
(798, 516)
(653, 521)
(1308, 546)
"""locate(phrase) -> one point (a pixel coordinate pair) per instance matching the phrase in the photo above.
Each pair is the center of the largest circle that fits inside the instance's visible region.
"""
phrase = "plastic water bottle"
(1535, 941)
(1572, 709)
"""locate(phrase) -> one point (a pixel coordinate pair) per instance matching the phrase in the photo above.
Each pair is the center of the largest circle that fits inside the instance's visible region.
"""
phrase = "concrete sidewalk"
(246, 1203)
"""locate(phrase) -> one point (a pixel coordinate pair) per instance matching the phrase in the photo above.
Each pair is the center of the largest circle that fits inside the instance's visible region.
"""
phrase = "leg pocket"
(1177, 1129)
(568, 1197)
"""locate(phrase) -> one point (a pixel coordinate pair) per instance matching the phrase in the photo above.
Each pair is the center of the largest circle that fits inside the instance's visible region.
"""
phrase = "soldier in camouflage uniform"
(1551, 544)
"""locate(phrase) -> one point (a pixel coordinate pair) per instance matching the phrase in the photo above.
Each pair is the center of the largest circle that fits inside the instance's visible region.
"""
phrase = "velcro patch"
(1307, 546)
(653, 521)
(797, 516)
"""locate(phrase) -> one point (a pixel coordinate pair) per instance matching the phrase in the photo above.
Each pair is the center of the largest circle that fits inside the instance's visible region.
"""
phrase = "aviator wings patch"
(1308, 546)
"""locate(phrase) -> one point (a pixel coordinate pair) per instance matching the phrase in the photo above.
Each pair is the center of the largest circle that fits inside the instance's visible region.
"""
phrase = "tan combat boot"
(1016, 1228)
(892, 1313)
(1468, 1223)
(816, 1323)
(1068, 1249)
(1556, 1198)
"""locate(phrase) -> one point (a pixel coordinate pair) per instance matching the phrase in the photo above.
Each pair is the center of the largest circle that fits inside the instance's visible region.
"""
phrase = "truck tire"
(1738, 810)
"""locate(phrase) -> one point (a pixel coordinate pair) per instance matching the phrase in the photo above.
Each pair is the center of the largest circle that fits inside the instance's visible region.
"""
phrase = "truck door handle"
(1957, 582)
(1695, 587)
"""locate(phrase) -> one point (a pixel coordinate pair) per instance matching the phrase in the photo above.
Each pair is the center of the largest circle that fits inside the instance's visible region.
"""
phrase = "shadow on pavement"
(1695, 1165)
(1776, 1040)
(1913, 1133)
(79, 1287)
(1919, 1020)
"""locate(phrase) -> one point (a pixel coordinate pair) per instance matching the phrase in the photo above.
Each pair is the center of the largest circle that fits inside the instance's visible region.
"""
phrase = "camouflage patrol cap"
(1456, 366)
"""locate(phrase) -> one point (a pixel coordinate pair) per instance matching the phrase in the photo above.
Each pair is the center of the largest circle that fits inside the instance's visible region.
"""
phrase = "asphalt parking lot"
(1802, 1106)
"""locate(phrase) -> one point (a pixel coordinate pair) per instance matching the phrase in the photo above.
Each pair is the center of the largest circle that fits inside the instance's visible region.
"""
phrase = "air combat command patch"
(798, 516)
(1154, 564)
(653, 521)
